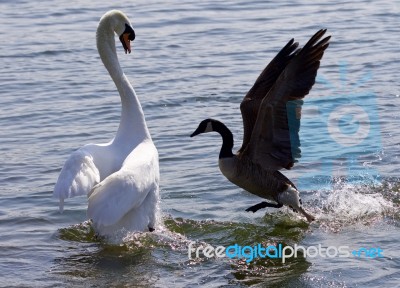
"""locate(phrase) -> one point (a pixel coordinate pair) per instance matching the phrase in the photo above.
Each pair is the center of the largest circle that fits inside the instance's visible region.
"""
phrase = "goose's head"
(207, 125)
(120, 24)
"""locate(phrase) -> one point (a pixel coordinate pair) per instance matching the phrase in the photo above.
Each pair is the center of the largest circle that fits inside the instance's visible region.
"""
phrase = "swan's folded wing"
(274, 142)
(117, 195)
(251, 102)
(77, 177)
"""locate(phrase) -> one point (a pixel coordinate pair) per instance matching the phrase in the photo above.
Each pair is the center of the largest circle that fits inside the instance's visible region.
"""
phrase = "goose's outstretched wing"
(251, 102)
(77, 177)
(274, 142)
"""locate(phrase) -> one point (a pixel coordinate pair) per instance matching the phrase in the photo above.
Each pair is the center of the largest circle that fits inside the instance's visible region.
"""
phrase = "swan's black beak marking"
(127, 37)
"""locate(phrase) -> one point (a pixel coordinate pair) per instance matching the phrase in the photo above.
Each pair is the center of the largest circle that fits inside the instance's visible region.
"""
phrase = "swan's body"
(120, 178)
(271, 113)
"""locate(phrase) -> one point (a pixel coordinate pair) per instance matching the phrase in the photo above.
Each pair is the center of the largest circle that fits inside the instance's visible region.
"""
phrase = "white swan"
(120, 178)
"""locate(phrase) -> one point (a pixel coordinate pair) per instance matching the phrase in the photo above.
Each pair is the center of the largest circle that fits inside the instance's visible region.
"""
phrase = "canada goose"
(121, 177)
(271, 113)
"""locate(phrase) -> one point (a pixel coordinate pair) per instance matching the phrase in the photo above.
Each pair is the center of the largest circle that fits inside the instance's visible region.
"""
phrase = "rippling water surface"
(193, 60)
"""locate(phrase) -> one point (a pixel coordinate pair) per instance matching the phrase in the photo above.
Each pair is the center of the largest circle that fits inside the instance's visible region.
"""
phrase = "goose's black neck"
(227, 139)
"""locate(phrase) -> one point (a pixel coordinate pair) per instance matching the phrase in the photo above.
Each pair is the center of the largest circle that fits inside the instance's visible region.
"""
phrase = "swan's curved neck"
(132, 124)
(227, 139)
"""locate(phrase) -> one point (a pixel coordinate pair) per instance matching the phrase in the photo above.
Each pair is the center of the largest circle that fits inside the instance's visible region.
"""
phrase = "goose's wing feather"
(125, 189)
(283, 178)
(251, 102)
(77, 177)
(274, 142)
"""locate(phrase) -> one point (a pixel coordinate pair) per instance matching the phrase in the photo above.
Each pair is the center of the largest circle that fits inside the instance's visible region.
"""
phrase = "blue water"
(192, 60)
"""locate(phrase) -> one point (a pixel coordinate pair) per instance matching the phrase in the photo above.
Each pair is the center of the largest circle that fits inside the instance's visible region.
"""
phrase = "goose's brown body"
(253, 178)
(271, 113)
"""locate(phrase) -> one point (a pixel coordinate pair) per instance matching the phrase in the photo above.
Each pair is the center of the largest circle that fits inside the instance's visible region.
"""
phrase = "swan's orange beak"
(127, 37)
(126, 42)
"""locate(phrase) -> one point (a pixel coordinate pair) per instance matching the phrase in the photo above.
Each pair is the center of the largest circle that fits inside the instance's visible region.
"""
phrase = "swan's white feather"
(77, 177)
(126, 189)
(120, 178)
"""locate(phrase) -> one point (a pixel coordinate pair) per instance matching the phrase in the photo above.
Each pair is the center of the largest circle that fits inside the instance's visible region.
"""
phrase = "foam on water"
(162, 236)
(349, 203)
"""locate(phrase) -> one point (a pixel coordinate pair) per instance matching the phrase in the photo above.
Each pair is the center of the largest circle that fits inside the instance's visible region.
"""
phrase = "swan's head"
(207, 125)
(120, 24)
(126, 37)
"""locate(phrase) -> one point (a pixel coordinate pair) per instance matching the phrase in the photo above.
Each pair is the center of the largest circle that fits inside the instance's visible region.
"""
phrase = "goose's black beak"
(197, 132)
(127, 37)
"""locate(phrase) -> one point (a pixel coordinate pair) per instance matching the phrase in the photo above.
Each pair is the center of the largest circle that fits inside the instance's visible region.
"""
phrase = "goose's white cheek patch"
(208, 128)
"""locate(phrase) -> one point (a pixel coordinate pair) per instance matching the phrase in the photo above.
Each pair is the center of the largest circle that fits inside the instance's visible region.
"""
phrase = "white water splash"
(348, 203)
(162, 236)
